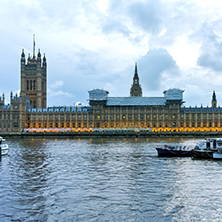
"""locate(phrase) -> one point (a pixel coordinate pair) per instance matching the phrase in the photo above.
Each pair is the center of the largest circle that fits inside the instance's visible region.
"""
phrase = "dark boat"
(174, 151)
(202, 154)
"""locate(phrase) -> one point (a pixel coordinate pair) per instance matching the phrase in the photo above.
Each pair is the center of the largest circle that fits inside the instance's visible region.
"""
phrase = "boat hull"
(202, 154)
(217, 156)
(172, 153)
(4, 152)
(4, 149)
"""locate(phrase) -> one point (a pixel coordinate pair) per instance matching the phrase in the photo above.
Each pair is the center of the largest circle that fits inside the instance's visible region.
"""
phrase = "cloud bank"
(95, 44)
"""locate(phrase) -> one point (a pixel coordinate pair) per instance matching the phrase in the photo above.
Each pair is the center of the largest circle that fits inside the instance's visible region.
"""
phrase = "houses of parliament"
(29, 112)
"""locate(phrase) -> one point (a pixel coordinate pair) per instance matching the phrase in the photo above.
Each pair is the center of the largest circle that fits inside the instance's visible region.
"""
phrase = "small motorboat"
(4, 146)
(174, 151)
(206, 149)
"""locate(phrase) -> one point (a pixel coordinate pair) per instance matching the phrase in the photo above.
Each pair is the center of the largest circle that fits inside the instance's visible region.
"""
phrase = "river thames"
(106, 180)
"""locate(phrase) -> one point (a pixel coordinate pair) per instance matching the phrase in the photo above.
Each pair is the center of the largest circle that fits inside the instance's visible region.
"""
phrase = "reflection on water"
(106, 180)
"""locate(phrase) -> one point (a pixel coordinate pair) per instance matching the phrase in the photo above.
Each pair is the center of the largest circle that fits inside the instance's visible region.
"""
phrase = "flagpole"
(33, 46)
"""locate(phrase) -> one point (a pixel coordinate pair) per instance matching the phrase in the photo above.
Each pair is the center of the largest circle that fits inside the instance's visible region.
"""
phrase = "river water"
(106, 180)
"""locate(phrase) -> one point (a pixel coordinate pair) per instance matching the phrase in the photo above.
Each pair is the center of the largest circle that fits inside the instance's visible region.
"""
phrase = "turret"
(23, 57)
(39, 57)
(11, 95)
(29, 57)
(44, 61)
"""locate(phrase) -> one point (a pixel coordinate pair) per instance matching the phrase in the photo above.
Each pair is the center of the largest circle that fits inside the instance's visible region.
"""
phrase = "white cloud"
(56, 84)
(59, 93)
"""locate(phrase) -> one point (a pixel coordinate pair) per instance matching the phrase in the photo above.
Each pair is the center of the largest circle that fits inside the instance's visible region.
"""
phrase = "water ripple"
(106, 180)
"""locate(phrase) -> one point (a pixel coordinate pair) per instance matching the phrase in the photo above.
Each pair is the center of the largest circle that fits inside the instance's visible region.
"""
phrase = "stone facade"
(124, 113)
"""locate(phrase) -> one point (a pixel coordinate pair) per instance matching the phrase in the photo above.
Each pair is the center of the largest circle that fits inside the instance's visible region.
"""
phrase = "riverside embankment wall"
(112, 134)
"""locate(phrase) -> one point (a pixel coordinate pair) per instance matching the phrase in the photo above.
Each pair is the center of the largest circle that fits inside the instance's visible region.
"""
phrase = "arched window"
(34, 105)
(34, 85)
(27, 85)
(30, 84)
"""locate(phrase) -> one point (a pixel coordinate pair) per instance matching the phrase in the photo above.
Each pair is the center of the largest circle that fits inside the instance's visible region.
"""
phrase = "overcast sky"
(95, 43)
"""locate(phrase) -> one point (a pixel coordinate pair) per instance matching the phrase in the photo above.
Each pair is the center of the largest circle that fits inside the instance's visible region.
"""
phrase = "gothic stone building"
(167, 113)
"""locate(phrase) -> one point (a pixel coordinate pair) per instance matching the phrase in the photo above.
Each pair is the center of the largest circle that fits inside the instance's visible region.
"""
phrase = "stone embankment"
(112, 134)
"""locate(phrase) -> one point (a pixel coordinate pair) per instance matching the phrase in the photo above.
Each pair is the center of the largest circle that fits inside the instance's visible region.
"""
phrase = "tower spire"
(214, 100)
(33, 46)
(136, 89)
(136, 74)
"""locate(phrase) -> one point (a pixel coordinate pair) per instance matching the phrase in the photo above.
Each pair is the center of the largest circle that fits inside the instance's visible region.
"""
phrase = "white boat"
(210, 143)
(207, 148)
(4, 146)
(217, 155)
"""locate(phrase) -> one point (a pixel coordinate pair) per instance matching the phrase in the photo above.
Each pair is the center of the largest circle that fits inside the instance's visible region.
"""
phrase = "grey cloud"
(211, 47)
(152, 17)
(154, 65)
(208, 60)
(147, 15)
(111, 26)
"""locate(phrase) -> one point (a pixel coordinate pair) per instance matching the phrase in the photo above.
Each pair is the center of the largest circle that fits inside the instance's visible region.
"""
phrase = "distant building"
(13, 115)
(29, 111)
